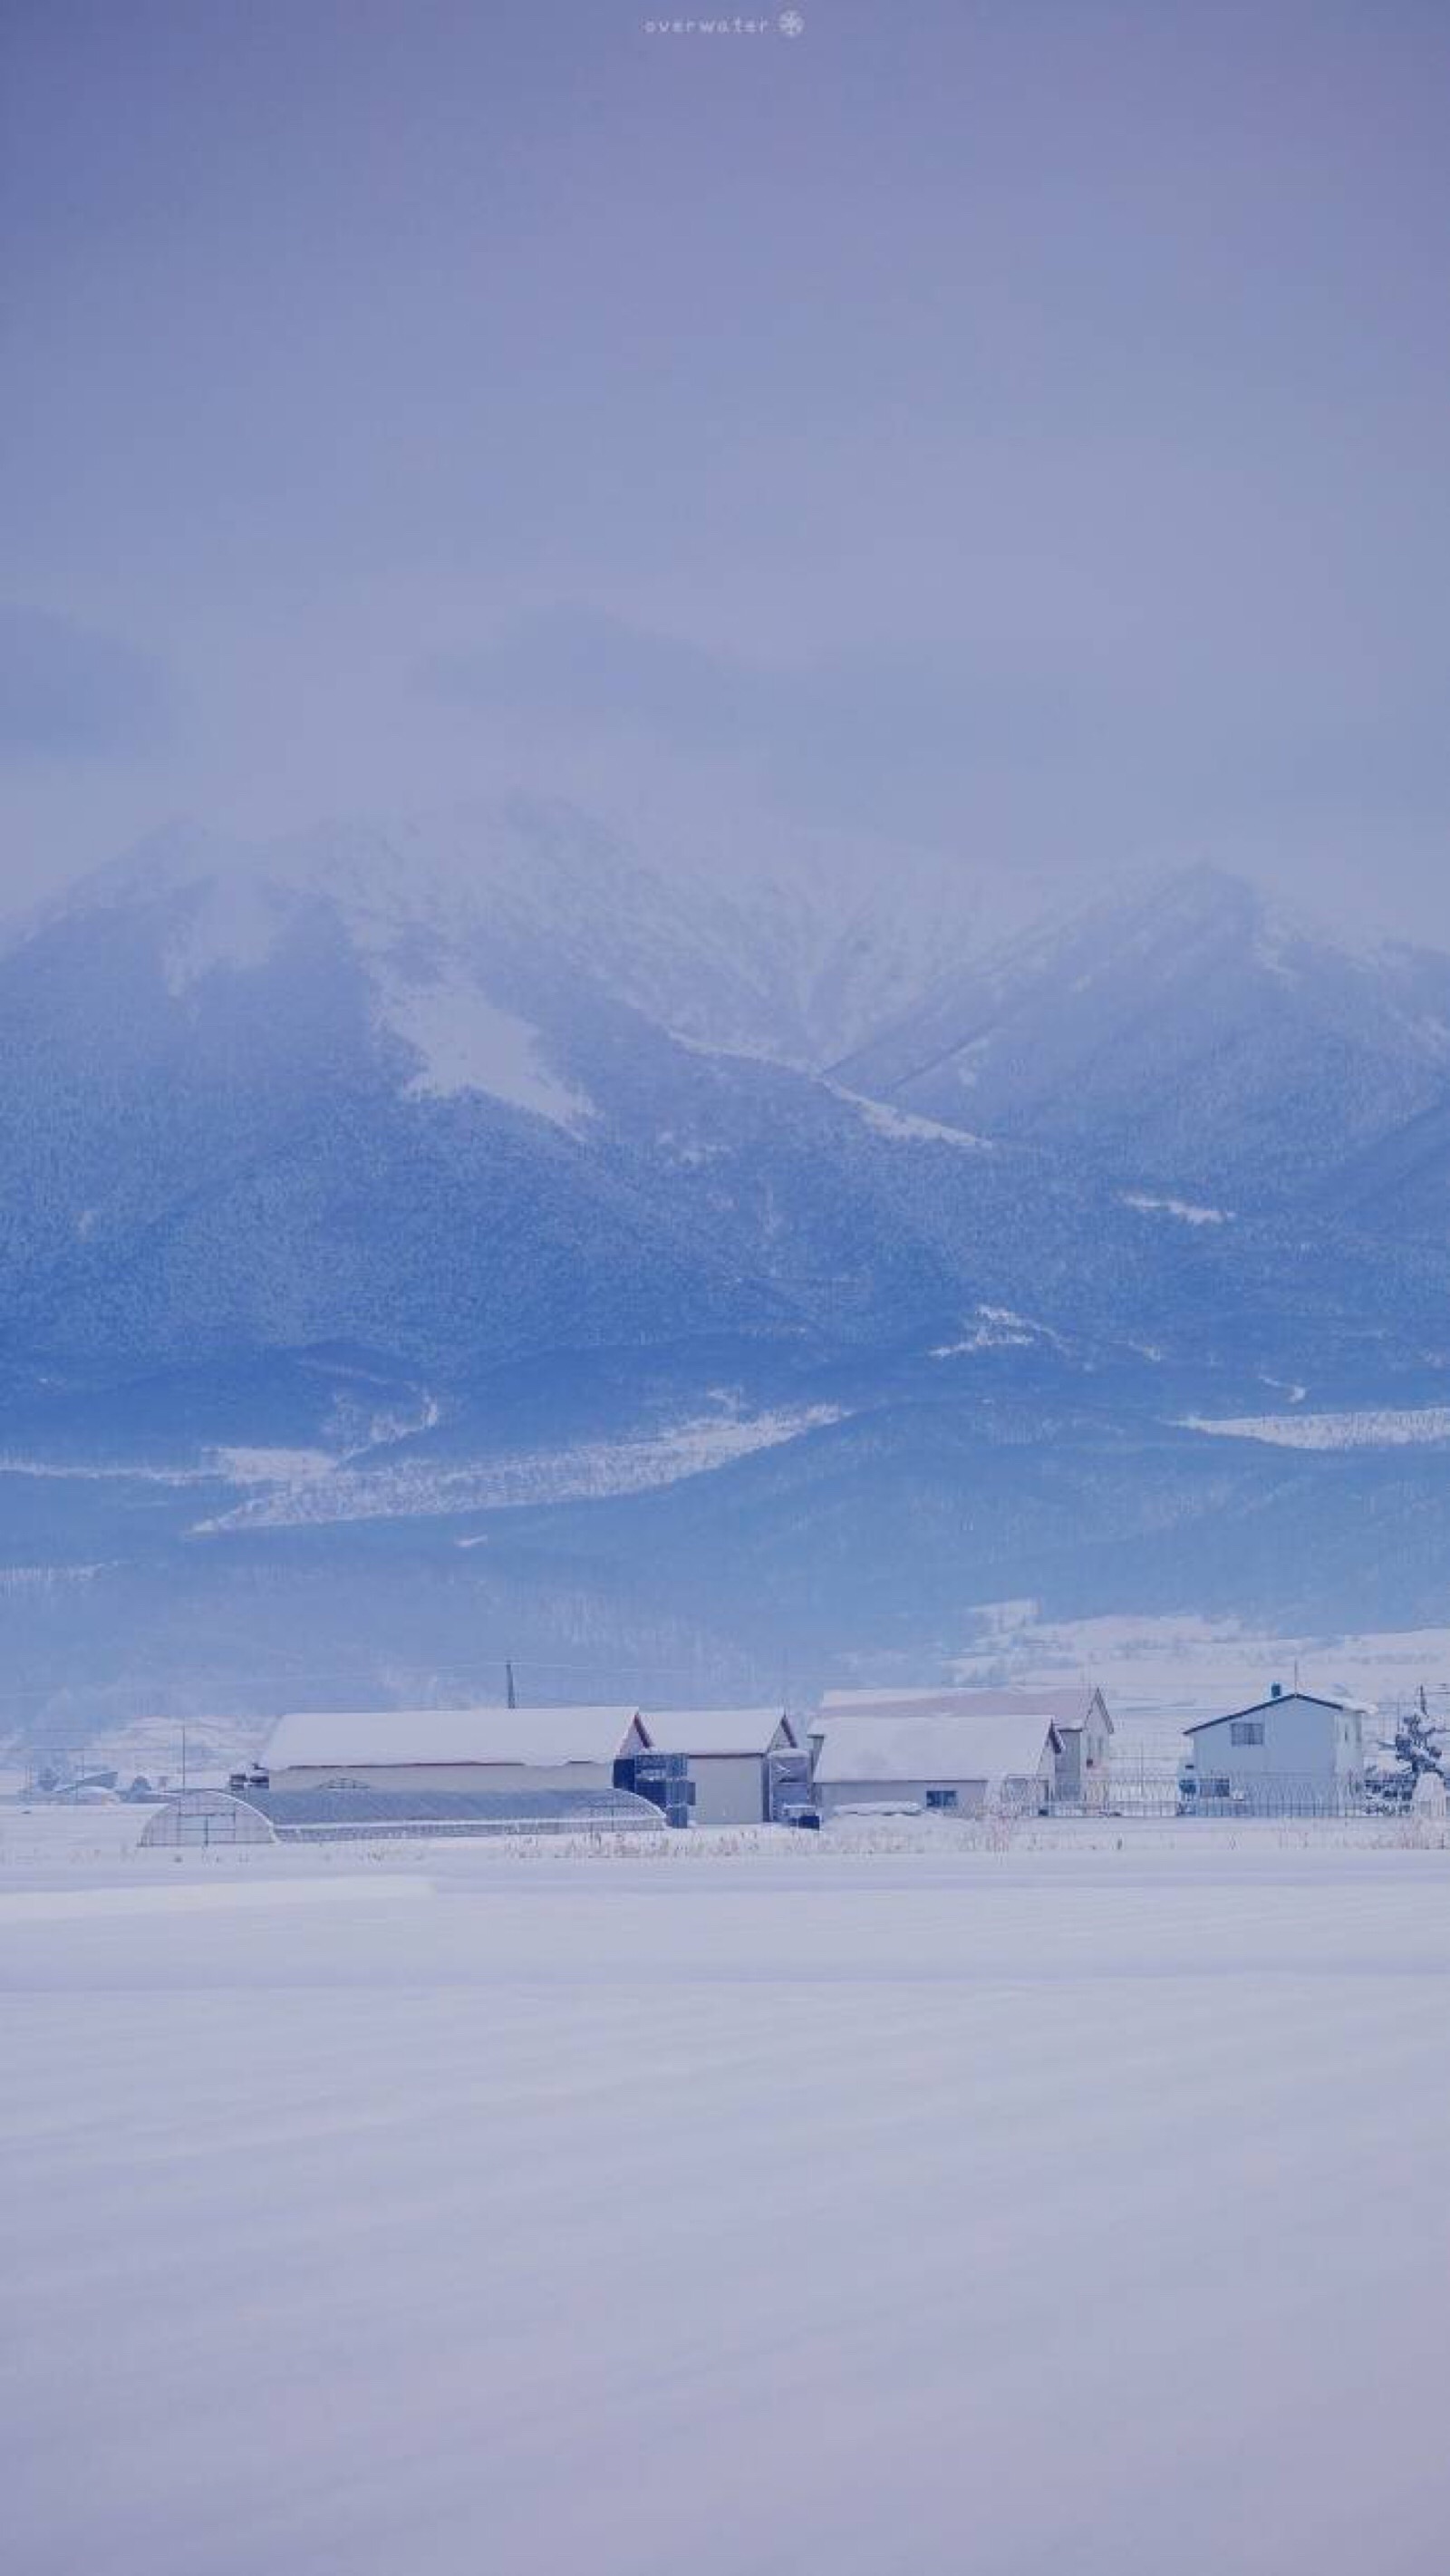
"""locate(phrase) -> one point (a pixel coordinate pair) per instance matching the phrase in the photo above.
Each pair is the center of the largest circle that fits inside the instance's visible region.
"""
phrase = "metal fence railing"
(1274, 1795)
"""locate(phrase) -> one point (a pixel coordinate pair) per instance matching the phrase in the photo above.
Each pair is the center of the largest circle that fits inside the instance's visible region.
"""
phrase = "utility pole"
(513, 1700)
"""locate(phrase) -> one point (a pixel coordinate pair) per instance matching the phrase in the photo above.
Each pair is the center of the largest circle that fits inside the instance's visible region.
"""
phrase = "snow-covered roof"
(363, 1739)
(1068, 1707)
(1005, 1744)
(1279, 1699)
(703, 1731)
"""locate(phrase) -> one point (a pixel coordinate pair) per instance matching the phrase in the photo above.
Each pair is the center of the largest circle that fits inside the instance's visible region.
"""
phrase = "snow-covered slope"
(826, 1250)
(1190, 1037)
(707, 938)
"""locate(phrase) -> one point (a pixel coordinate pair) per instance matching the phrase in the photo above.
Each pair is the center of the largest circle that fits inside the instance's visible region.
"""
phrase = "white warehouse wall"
(833, 1795)
(729, 1788)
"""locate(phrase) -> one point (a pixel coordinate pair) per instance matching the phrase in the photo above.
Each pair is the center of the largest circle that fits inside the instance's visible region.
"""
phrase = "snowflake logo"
(791, 23)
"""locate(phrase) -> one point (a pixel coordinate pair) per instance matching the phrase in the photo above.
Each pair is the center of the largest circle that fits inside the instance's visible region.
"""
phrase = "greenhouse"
(195, 1818)
(366, 1814)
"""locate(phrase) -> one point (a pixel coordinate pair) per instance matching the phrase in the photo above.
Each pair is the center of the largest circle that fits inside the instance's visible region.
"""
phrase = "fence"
(1276, 1794)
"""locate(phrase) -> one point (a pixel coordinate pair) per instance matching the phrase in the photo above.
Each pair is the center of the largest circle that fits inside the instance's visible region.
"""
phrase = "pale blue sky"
(1012, 425)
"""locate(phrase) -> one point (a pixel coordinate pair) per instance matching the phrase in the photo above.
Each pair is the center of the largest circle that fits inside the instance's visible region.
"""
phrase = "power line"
(233, 1680)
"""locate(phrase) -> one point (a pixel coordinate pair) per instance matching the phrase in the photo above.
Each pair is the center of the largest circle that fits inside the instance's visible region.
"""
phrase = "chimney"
(1276, 1690)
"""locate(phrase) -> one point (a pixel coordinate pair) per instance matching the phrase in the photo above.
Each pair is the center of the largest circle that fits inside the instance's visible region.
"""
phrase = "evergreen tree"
(1418, 1746)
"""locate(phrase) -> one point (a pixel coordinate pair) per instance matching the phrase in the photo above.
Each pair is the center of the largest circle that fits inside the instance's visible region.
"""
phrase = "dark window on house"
(942, 1798)
(1246, 1730)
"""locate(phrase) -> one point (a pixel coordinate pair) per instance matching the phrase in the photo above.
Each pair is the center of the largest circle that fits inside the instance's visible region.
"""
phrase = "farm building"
(334, 1773)
(1290, 1754)
(740, 1761)
(1077, 1710)
(451, 1750)
(940, 1761)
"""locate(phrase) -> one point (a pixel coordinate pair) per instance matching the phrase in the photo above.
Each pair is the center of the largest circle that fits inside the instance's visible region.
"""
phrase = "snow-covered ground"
(1154, 1669)
(585, 1472)
(1380, 1427)
(1074, 2201)
(1186, 1211)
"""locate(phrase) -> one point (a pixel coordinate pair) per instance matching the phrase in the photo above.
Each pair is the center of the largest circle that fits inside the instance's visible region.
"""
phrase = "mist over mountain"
(485, 1233)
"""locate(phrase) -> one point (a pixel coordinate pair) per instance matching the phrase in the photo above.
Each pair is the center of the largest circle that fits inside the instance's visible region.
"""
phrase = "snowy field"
(1069, 2202)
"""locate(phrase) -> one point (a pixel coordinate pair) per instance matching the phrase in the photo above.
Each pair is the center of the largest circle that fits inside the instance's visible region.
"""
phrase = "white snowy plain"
(1076, 2204)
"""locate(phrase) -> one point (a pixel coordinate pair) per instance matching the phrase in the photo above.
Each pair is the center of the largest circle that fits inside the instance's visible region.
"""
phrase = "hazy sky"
(1013, 426)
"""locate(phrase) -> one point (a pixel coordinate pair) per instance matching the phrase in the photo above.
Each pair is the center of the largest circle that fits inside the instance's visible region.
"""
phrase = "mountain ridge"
(570, 1154)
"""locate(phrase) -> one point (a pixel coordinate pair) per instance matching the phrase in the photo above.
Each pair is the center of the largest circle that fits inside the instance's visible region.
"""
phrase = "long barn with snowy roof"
(444, 1750)
(369, 1772)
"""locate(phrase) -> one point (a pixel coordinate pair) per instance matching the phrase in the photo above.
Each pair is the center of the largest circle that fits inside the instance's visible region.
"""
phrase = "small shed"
(943, 1763)
(1290, 1754)
(451, 1750)
(734, 1758)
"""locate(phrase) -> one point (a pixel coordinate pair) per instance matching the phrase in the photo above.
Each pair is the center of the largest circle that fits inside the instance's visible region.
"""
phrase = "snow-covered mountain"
(706, 940)
(1194, 1038)
(495, 1206)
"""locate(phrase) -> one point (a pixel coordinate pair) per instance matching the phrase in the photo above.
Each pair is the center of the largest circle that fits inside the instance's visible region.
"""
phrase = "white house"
(733, 1755)
(1077, 1710)
(1292, 1753)
(943, 1762)
(452, 1749)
